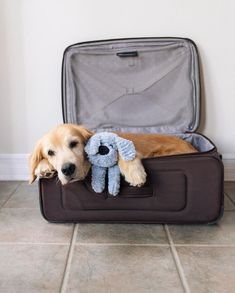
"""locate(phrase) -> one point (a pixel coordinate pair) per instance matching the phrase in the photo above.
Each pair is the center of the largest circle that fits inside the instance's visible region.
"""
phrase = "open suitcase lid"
(135, 85)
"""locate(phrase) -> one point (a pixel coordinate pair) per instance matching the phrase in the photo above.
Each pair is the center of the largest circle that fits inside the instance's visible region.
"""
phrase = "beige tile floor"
(37, 256)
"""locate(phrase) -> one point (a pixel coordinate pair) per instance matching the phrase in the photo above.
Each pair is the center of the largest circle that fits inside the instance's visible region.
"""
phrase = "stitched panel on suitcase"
(165, 191)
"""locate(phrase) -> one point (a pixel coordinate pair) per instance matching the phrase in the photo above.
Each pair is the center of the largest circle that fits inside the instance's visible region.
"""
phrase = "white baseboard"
(229, 167)
(15, 167)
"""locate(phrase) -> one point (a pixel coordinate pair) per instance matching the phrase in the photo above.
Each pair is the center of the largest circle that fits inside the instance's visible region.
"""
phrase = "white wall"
(34, 33)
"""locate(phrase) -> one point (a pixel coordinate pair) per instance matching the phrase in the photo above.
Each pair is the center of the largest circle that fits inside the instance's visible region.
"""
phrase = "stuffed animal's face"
(103, 149)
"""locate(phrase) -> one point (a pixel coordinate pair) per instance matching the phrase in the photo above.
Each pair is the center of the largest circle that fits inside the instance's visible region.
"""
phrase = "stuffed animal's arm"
(98, 178)
(114, 180)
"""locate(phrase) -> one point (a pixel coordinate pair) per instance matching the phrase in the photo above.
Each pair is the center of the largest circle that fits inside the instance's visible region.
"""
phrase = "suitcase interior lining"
(159, 80)
(201, 143)
(103, 91)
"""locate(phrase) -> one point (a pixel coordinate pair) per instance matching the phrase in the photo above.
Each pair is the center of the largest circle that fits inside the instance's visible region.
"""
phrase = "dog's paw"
(45, 170)
(137, 178)
(133, 172)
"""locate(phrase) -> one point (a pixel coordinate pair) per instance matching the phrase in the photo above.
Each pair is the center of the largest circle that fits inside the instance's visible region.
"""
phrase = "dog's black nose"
(68, 169)
(103, 150)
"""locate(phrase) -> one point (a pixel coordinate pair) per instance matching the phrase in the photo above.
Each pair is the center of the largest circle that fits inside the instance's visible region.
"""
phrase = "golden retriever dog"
(62, 150)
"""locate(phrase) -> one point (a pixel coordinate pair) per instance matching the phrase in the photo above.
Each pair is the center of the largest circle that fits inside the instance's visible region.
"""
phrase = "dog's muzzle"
(68, 169)
(103, 150)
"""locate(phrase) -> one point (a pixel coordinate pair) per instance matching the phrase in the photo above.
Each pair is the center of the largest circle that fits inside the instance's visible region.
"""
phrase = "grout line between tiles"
(34, 243)
(69, 260)
(177, 261)
(120, 244)
(10, 195)
(227, 194)
(15, 208)
(20, 208)
(204, 245)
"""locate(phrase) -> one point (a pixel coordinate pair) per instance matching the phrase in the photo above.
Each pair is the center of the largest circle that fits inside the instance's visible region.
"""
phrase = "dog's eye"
(73, 144)
(51, 153)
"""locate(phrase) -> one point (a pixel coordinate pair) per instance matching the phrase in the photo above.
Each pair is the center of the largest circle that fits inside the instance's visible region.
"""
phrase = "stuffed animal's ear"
(126, 148)
(92, 146)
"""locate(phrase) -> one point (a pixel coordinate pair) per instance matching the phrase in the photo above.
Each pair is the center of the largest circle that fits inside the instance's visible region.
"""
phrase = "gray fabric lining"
(201, 143)
(158, 91)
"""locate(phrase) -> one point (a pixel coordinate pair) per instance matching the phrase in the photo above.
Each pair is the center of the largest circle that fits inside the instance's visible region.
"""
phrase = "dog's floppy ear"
(92, 146)
(34, 159)
(84, 132)
(126, 148)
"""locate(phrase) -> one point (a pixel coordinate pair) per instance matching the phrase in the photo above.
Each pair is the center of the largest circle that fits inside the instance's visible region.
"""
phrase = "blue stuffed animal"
(103, 149)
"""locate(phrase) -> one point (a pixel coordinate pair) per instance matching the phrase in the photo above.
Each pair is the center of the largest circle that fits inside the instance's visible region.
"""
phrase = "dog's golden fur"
(59, 139)
(150, 146)
(157, 145)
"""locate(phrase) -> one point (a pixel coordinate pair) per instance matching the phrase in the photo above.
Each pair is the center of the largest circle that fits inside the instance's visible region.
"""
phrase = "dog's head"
(63, 149)
(103, 149)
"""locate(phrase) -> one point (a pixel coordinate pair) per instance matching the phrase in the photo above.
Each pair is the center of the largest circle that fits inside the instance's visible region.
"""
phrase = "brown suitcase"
(139, 85)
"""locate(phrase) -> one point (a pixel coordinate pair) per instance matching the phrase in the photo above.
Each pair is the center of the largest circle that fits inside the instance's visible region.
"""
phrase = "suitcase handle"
(128, 54)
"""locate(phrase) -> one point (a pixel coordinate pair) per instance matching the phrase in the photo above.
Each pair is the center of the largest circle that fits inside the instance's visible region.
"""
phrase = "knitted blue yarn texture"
(103, 149)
